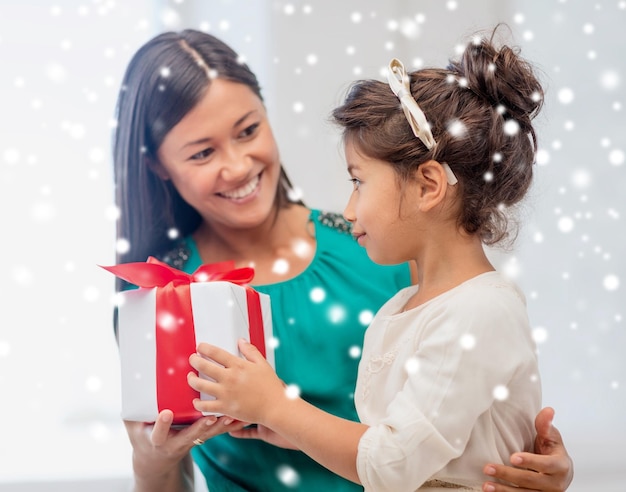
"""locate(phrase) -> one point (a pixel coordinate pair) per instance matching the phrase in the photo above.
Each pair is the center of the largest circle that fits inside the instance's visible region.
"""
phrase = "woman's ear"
(433, 184)
(157, 168)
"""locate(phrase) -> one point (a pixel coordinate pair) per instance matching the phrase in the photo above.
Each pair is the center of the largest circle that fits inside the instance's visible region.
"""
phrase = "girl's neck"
(278, 249)
(447, 265)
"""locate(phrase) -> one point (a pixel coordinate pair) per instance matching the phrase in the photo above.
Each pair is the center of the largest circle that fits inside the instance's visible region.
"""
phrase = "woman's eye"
(203, 154)
(356, 182)
(249, 130)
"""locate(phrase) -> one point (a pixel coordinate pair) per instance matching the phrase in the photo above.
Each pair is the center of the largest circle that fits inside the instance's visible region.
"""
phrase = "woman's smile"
(243, 191)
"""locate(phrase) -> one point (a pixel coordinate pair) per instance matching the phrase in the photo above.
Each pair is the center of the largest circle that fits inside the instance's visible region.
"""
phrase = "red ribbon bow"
(175, 334)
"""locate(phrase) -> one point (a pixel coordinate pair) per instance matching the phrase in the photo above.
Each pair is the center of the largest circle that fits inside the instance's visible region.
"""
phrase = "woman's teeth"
(244, 190)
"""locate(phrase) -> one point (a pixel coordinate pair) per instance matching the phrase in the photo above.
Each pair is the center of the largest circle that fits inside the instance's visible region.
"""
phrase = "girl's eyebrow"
(208, 139)
(352, 167)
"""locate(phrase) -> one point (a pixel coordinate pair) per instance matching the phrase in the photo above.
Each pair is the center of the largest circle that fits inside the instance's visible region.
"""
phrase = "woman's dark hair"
(164, 80)
(479, 108)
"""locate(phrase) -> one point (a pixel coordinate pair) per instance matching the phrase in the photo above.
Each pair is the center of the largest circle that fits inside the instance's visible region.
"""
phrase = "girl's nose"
(348, 211)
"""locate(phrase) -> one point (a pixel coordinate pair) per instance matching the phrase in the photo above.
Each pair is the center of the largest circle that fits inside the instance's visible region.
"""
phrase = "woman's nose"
(236, 163)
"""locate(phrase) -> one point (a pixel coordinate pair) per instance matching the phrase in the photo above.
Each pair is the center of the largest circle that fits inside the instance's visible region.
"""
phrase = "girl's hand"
(264, 434)
(550, 470)
(244, 388)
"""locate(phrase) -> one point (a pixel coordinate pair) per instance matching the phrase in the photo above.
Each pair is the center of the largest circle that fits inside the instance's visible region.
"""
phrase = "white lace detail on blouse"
(375, 364)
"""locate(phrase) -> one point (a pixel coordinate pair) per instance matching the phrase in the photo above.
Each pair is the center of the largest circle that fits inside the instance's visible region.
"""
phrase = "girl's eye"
(202, 155)
(356, 182)
(249, 130)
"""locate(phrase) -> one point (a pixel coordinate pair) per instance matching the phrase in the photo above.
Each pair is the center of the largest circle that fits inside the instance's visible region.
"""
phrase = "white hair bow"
(400, 84)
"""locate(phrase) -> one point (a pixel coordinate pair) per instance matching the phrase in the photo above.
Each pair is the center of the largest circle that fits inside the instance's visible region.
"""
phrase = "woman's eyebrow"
(206, 140)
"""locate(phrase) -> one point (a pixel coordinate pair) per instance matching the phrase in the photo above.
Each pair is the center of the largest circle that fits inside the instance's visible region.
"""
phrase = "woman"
(199, 180)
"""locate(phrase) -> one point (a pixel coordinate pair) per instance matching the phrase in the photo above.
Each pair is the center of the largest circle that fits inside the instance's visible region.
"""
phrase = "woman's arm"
(550, 470)
(161, 459)
(249, 390)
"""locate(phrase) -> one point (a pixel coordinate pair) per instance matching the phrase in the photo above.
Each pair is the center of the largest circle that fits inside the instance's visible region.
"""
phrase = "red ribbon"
(175, 334)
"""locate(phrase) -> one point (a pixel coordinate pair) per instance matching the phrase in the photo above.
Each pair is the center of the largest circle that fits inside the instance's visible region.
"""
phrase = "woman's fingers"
(161, 428)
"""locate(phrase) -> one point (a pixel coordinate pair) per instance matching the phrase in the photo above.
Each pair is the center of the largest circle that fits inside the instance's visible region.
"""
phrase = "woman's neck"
(278, 249)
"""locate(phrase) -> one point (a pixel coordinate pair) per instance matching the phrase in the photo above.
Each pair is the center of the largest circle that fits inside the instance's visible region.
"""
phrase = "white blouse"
(446, 387)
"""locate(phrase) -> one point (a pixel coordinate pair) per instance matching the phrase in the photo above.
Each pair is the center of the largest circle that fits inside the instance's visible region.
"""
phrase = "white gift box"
(220, 317)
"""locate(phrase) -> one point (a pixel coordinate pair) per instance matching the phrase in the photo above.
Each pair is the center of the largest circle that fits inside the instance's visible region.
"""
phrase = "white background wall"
(62, 63)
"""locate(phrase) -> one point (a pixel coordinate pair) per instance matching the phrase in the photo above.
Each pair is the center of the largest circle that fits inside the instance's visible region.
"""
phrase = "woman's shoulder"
(338, 251)
(332, 220)
(178, 255)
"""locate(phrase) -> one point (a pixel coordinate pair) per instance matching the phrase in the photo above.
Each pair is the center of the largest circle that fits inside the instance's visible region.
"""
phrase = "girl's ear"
(158, 169)
(433, 182)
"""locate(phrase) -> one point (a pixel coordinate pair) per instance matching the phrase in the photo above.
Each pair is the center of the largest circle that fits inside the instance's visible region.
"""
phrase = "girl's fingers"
(203, 385)
(221, 356)
(249, 351)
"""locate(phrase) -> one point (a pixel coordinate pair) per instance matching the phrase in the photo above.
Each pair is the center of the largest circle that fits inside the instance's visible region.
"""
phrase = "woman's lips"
(243, 191)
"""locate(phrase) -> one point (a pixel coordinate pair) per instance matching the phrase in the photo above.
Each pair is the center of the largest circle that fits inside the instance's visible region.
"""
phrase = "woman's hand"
(263, 433)
(550, 470)
(244, 388)
(161, 460)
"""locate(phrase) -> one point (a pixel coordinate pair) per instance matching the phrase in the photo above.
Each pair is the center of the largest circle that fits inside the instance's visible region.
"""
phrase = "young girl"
(198, 179)
(448, 377)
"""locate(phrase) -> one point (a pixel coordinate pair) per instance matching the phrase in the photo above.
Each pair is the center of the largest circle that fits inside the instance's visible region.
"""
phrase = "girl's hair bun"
(502, 77)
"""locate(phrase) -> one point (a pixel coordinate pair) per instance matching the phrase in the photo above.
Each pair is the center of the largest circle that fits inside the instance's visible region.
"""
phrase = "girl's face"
(222, 157)
(384, 217)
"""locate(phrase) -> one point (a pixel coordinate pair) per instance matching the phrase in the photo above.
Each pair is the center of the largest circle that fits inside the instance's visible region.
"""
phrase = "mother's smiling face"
(222, 157)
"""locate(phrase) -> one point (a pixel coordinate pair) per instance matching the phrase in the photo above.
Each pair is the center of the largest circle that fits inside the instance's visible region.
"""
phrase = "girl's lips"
(359, 237)
(243, 191)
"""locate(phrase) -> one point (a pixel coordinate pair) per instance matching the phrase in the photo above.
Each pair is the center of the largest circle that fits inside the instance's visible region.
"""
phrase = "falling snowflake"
(540, 334)
(93, 384)
(302, 249)
(467, 341)
(565, 95)
(166, 321)
(337, 314)
(457, 128)
(91, 294)
(611, 282)
(566, 224)
(356, 17)
(616, 157)
(288, 476)
(280, 266)
(317, 294)
(292, 391)
(412, 365)
(366, 317)
(511, 128)
(609, 80)
(355, 352)
(501, 392)
(273, 343)
(122, 245)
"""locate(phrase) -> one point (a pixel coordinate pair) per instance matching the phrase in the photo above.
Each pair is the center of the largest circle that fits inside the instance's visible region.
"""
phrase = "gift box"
(161, 323)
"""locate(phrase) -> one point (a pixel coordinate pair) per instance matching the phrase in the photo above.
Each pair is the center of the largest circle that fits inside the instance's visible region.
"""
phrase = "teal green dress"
(319, 319)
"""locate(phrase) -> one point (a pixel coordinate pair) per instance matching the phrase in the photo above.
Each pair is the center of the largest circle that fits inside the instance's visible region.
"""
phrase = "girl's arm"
(249, 390)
